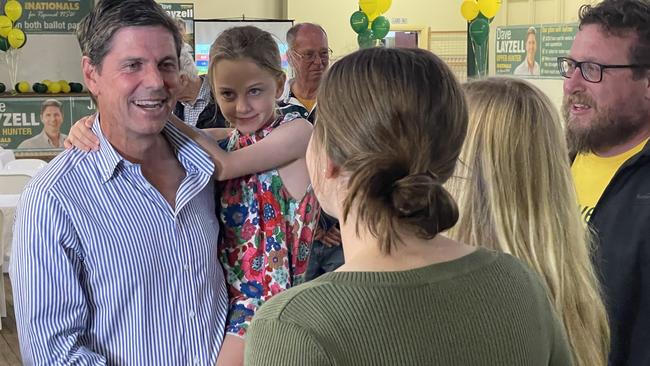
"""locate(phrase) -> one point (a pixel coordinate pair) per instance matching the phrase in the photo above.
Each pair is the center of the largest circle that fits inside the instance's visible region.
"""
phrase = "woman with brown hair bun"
(388, 135)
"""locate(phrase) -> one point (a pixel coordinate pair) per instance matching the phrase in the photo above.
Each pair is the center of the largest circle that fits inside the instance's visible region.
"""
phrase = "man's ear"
(280, 86)
(90, 74)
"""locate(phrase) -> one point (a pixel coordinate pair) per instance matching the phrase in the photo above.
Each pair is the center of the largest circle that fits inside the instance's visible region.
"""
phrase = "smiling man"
(115, 251)
(607, 111)
(529, 66)
(51, 136)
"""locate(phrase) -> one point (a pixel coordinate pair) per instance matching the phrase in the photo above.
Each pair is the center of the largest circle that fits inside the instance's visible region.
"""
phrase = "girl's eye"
(255, 91)
(227, 94)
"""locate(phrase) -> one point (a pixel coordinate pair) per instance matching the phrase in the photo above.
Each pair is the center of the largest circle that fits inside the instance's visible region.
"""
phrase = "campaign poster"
(52, 16)
(531, 51)
(40, 123)
(184, 15)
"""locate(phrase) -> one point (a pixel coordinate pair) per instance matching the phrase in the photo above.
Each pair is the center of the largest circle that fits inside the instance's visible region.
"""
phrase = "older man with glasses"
(309, 57)
(607, 111)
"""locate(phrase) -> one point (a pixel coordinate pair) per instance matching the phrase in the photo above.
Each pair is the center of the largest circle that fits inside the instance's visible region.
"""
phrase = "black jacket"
(621, 220)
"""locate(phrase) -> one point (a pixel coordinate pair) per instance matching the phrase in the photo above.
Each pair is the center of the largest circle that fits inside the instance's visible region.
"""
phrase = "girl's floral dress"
(268, 235)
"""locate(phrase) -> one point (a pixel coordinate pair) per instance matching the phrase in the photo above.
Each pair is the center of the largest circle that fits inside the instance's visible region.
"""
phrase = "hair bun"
(421, 201)
(409, 192)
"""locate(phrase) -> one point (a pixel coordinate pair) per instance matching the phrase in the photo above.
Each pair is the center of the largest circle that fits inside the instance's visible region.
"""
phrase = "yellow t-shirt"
(308, 103)
(592, 174)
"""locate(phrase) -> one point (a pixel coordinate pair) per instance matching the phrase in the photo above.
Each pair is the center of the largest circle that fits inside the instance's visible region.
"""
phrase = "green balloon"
(4, 44)
(39, 88)
(76, 87)
(479, 30)
(380, 27)
(366, 39)
(480, 15)
(359, 21)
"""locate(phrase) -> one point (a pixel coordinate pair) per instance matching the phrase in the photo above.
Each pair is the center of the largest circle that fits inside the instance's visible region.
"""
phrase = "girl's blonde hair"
(516, 195)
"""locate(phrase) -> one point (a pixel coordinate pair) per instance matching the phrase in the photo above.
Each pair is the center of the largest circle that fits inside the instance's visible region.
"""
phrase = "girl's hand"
(81, 136)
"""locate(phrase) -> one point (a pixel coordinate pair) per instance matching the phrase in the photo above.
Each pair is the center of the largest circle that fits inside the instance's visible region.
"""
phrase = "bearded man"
(607, 111)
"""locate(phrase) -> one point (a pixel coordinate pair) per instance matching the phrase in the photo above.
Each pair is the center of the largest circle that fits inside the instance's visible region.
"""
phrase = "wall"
(439, 15)
(211, 9)
(53, 57)
(57, 56)
(334, 16)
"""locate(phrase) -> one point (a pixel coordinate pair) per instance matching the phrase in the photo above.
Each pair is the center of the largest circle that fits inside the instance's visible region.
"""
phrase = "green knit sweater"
(485, 308)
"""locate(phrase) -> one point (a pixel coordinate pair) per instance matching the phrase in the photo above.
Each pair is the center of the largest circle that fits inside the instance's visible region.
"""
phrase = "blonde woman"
(516, 195)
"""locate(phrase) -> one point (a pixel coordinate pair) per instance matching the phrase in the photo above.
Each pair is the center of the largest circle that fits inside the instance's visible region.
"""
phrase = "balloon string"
(479, 59)
(16, 55)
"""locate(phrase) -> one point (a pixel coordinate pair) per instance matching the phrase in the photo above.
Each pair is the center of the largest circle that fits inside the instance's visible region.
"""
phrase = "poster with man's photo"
(531, 51)
(183, 13)
(40, 124)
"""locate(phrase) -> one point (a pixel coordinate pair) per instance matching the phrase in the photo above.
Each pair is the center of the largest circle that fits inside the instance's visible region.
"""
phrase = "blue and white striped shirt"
(106, 272)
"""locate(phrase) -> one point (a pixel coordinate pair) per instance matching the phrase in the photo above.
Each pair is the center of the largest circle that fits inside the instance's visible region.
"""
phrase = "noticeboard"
(532, 50)
(185, 13)
(22, 123)
(52, 16)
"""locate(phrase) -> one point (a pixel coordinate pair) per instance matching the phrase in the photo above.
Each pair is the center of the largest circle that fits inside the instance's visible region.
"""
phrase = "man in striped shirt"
(114, 254)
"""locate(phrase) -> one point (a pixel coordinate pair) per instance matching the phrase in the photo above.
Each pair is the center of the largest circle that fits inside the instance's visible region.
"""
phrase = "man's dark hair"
(620, 18)
(96, 29)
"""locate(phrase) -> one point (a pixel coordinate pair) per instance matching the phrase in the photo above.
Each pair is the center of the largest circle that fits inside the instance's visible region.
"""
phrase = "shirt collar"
(189, 154)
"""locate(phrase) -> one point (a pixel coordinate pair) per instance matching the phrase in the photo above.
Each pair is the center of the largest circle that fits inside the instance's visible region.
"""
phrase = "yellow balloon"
(23, 87)
(65, 88)
(469, 10)
(54, 88)
(13, 9)
(16, 38)
(369, 7)
(489, 8)
(383, 6)
(5, 25)
(372, 17)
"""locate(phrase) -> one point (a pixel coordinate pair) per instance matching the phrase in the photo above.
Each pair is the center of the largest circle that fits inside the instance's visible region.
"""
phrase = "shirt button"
(191, 314)
(186, 267)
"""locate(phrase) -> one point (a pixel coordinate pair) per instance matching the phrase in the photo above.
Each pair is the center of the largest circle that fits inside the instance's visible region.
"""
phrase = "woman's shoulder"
(289, 305)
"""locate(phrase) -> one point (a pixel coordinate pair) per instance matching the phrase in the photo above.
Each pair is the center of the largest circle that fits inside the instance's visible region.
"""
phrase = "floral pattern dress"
(268, 235)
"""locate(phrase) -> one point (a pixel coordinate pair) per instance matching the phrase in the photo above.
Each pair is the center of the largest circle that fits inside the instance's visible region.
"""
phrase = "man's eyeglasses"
(310, 56)
(591, 71)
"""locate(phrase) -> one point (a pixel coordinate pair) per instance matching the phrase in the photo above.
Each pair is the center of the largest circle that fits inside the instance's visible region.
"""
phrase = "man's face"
(52, 118)
(603, 115)
(310, 42)
(531, 47)
(137, 81)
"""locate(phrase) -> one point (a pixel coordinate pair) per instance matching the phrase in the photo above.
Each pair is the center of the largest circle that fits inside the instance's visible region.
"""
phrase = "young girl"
(269, 217)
